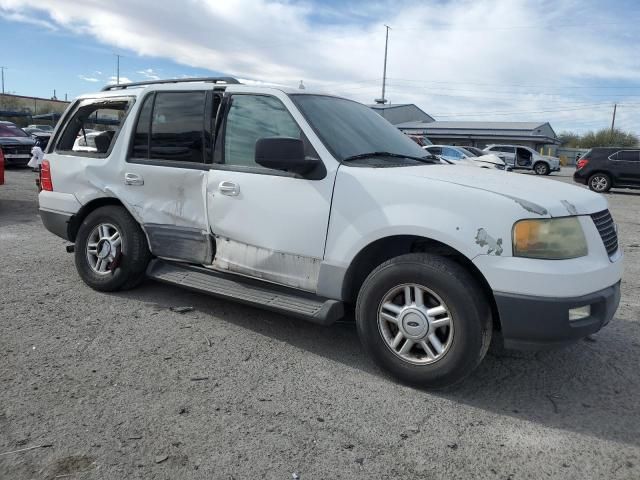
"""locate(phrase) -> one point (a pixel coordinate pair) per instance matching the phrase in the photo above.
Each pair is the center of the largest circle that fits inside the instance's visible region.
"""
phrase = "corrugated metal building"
(481, 134)
(412, 120)
(402, 113)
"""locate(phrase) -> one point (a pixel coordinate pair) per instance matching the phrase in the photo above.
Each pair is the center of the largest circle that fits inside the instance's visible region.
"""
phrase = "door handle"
(133, 179)
(229, 188)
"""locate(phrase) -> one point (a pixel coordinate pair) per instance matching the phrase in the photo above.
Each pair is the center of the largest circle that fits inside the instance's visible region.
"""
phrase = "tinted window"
(177, 127)
(629, 155)
(250, 118)
(435, 150)
(140, 148)
(349, 128)
(11, 131)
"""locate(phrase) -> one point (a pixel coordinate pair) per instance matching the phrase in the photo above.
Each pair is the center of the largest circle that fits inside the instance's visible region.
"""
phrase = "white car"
(525, 158)
(313, 205)
(461, 156)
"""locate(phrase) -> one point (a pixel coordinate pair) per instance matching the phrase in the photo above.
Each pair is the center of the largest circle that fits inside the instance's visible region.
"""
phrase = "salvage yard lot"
(120, 386)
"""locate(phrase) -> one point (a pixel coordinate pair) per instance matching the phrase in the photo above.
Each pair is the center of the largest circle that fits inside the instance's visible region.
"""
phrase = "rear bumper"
(56, 222)
(578, 177)
(530, 323)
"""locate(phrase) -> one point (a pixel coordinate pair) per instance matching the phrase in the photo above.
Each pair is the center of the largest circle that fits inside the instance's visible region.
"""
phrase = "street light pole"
(384, 72)
(3, 69)
(117, 69)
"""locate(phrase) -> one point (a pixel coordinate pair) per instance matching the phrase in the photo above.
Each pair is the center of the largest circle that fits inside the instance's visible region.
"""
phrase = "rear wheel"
(424, 319)
(600, 182)
(111, 250)
(541, 168)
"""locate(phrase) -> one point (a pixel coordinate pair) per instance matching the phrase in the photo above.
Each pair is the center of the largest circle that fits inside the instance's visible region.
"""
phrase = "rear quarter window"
(93, 127)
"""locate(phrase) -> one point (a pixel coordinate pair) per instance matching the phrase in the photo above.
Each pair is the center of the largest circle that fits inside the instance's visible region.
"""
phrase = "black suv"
(603, 168)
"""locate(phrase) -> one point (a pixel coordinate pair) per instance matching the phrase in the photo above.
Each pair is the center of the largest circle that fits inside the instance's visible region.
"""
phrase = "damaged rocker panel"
(180, 243)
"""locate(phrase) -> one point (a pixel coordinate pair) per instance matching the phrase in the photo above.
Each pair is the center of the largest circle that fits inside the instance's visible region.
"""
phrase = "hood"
(538, 196)
(17, 141)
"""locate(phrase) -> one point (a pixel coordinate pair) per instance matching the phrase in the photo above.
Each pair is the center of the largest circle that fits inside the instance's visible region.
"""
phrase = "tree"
(602, 138)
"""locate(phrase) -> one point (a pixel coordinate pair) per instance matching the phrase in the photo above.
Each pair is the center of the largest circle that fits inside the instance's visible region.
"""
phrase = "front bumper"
(530, 322)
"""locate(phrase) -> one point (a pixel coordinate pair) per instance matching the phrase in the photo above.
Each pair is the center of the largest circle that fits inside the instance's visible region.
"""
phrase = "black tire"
(468, 307)
(599, 182)
(132, 259)
(541, 168)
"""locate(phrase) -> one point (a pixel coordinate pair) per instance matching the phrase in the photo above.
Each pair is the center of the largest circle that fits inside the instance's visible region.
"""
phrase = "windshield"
(11, 131)
(467, 152)
(348, 128)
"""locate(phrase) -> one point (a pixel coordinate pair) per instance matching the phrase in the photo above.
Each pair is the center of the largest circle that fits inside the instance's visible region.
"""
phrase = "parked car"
(41, 127)
(41, 137)
(313, 205)
(420, 140)
(16, 144)
(1, 167)
(604, 168)
(525, 158)
(458, 155)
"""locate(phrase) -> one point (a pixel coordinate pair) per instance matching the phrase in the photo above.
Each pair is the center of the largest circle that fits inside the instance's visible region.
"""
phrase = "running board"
(256, 293)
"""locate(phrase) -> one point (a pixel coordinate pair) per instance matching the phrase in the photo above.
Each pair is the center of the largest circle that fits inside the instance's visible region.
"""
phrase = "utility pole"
(117, 69)
(613, 120)
(3, 69)
(384, 72)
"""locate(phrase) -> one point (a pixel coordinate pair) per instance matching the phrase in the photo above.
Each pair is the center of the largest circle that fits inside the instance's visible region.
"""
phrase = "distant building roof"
(397, 113)
(486, 130)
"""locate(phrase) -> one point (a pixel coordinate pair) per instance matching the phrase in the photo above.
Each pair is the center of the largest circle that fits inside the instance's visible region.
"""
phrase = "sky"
(562, 61)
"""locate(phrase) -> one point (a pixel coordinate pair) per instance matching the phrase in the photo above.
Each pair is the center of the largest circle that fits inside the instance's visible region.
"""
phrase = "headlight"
(549, 238)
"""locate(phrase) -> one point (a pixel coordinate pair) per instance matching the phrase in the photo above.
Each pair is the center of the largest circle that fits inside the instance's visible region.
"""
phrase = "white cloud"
(149, 73)
(114, 79)
(88, 79)
(19, 17)
(521, 60)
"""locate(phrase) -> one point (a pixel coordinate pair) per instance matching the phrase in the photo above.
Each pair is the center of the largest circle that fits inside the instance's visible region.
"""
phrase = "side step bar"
(259, 294)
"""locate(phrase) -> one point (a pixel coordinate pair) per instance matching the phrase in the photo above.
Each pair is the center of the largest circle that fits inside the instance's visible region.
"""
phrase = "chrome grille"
(607, 229)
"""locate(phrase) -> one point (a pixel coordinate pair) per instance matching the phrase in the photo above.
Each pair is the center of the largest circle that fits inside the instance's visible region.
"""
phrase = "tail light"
(581, 163)
(45, 176)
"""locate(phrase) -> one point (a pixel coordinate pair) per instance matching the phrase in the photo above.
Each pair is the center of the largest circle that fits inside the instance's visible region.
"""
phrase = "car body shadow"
(585, 388)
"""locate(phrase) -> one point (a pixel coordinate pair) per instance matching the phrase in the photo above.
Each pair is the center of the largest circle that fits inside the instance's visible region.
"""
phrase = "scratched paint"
(484, 239)
(292, 270)
(571, 208)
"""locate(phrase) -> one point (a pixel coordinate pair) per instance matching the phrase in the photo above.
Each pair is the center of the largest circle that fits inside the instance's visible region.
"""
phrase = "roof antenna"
(301, 86)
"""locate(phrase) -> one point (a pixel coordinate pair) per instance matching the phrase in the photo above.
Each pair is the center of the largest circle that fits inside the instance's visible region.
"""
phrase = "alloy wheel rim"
(599, 183)
(104, 245)
(415, 324)
(541, 169)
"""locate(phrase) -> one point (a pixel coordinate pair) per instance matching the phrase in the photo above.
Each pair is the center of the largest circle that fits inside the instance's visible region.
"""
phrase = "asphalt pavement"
(119, 386)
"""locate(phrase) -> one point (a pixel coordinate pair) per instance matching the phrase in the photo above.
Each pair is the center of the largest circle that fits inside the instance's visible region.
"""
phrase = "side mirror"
(283, 153)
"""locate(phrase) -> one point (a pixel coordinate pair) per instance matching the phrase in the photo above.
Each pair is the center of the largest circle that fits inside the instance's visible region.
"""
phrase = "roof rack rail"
(122, 86)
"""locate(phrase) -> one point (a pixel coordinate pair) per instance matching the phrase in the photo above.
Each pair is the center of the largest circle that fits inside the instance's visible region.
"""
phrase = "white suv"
(314, 205)
(525, 158)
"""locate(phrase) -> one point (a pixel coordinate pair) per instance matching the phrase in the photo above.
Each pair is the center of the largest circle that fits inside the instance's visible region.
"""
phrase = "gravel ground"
(118, 386)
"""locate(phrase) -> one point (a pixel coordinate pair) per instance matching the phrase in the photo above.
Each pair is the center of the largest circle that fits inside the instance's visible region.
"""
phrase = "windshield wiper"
(426, 159)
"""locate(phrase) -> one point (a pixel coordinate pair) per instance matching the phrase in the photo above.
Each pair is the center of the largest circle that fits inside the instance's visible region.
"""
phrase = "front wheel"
(111, 250)
(541, 168)
(424, 319)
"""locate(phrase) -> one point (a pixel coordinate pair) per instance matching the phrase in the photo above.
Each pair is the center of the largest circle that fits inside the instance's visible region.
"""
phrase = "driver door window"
(250, 118)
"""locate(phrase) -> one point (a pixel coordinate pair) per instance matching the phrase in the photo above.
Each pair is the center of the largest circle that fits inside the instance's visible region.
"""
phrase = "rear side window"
(93, 127)
(629, 156)
(171, 126)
